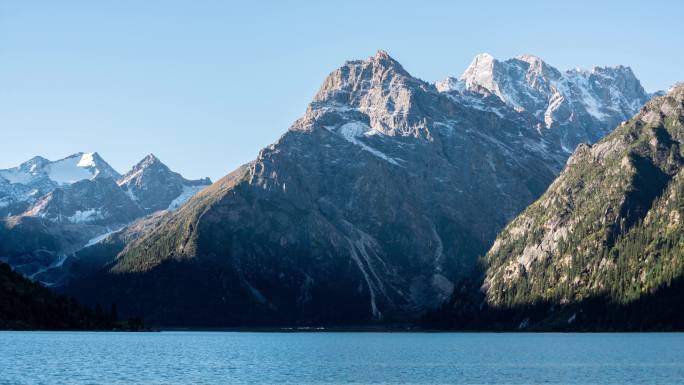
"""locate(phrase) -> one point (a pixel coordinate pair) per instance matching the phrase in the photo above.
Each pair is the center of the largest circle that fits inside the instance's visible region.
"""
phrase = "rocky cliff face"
(367, 209)
(609, 226)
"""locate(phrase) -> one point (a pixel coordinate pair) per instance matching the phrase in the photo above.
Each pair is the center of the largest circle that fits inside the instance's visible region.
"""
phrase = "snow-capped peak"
(87, 160)
(73, 168)
(482, 58)
(154, 186)
(481, 72)
(137, 171)
(582, 104)
(150, 158)
(149, 161)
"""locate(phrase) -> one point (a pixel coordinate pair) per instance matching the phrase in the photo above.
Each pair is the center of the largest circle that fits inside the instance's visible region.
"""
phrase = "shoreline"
(376, 330)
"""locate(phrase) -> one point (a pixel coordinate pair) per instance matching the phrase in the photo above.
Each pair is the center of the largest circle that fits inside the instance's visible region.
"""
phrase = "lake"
(340, 358)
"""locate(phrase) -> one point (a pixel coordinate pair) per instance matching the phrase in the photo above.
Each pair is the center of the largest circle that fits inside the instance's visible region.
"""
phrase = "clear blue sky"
(205, 84)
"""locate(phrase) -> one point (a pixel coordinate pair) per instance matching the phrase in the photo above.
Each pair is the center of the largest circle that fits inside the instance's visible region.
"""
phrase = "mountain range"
(371, 208)
(51, 209)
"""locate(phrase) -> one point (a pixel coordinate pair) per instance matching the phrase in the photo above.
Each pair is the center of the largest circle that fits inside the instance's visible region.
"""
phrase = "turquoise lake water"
(339, 358)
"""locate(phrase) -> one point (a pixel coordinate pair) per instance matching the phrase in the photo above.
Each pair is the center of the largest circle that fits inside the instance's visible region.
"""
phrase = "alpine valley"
(374, 207)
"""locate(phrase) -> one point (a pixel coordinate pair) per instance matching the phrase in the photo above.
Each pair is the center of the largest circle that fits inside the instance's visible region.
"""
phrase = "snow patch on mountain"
(476, 101)
(74, 168)
(71, 170)
(101, 237)
(188, 192)
(129, 177)
(131, 195)
(579, 80)
(86, 216)
(16, 176)
(353, 131)
(87, 160)
(450, 84)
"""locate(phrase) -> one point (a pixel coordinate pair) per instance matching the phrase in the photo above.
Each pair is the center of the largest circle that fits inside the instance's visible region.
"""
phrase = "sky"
(204, 85)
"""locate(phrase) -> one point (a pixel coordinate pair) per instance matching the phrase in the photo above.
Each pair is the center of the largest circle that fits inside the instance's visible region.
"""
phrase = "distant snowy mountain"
(69, 170)
(152, 185)
(53, 208)
(568, 108)
(25, 184)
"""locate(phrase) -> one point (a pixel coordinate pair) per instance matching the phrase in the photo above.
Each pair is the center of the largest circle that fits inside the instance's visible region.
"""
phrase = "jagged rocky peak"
(154, 186)
(151, 164)
(568, 108)
(516, 81)
(378, 91)
(358, 76)
(618, 86)
(137, 172)
(480, 73)
(385, 59)
(148, 161)
(485, 74)
(533, 74)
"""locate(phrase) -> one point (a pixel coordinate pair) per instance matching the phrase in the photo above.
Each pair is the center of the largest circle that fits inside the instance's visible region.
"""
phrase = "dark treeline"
(27, 305)
(662, 310)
